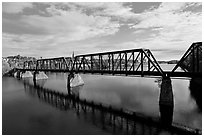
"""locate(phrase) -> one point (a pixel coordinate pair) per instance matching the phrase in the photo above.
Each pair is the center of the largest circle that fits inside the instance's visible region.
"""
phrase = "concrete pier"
(34, 77)
(166, 102)
(27, 74)
(41, 75)
(17, 74)
(69, 77)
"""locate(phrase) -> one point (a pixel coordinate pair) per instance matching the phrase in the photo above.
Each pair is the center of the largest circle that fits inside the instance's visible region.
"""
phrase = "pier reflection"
(113, 120)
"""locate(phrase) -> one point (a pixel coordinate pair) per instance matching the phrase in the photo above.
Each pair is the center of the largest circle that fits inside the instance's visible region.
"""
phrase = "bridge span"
(135, 62)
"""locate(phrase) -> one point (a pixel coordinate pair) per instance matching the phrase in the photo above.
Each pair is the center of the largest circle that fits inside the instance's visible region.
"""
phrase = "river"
(23, 113)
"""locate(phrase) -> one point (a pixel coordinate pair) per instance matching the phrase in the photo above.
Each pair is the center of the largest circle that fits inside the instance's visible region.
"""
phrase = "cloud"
(171, 6)
(116, 10)
(59, 29)
(168, 15)
(15, 7)
(175, 27)
(45, 46)
(72, 24)
(114, 26)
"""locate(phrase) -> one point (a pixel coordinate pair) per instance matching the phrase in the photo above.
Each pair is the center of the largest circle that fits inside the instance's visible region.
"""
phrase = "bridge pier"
(70, 76)
(34, 78)
(26, 74)
(18, 74)
(166, 102)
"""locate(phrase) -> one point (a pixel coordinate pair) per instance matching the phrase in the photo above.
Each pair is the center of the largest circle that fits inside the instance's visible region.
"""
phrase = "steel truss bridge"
(135, 62)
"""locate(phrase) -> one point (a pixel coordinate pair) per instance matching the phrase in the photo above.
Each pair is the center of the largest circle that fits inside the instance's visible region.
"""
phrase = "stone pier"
(39, 75)
(27, 74)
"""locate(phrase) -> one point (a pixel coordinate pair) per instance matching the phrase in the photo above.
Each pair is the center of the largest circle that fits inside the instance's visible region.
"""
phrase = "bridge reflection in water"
(113, 120)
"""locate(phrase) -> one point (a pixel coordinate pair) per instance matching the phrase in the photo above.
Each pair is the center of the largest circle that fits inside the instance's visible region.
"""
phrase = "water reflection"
(76, 90)
(196, 91)
(116, 121)
(40, 82)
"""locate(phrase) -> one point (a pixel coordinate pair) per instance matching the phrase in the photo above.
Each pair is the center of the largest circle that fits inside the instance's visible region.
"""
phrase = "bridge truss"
(128, 62)
(191, 60)
(61, 64)
(135, 62)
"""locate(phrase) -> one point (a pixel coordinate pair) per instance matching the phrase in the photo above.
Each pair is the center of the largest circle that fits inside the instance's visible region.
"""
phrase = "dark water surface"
(23, 113)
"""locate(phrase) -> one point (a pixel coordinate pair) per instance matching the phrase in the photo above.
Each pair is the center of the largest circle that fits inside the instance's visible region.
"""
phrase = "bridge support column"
(166, 102)
(18, 74)
(34, 78)
(70, 75)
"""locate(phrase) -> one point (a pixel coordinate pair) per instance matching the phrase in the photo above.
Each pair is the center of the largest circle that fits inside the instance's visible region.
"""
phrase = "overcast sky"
(58, 29)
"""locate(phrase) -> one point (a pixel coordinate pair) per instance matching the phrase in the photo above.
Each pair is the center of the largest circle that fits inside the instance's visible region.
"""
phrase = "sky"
(59, 29)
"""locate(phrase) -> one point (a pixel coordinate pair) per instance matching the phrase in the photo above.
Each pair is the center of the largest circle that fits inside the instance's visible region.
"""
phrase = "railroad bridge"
(135, 62)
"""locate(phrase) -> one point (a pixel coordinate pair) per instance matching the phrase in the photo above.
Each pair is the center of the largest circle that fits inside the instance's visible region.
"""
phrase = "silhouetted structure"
(192, 59)
(166, 102)
(128, 62)
(138, 62)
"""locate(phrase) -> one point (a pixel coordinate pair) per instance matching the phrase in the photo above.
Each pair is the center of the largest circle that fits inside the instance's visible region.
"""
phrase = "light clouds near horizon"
(57, 29)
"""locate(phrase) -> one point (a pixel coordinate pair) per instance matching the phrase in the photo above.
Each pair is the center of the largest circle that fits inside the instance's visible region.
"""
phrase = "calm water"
(23, 113)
